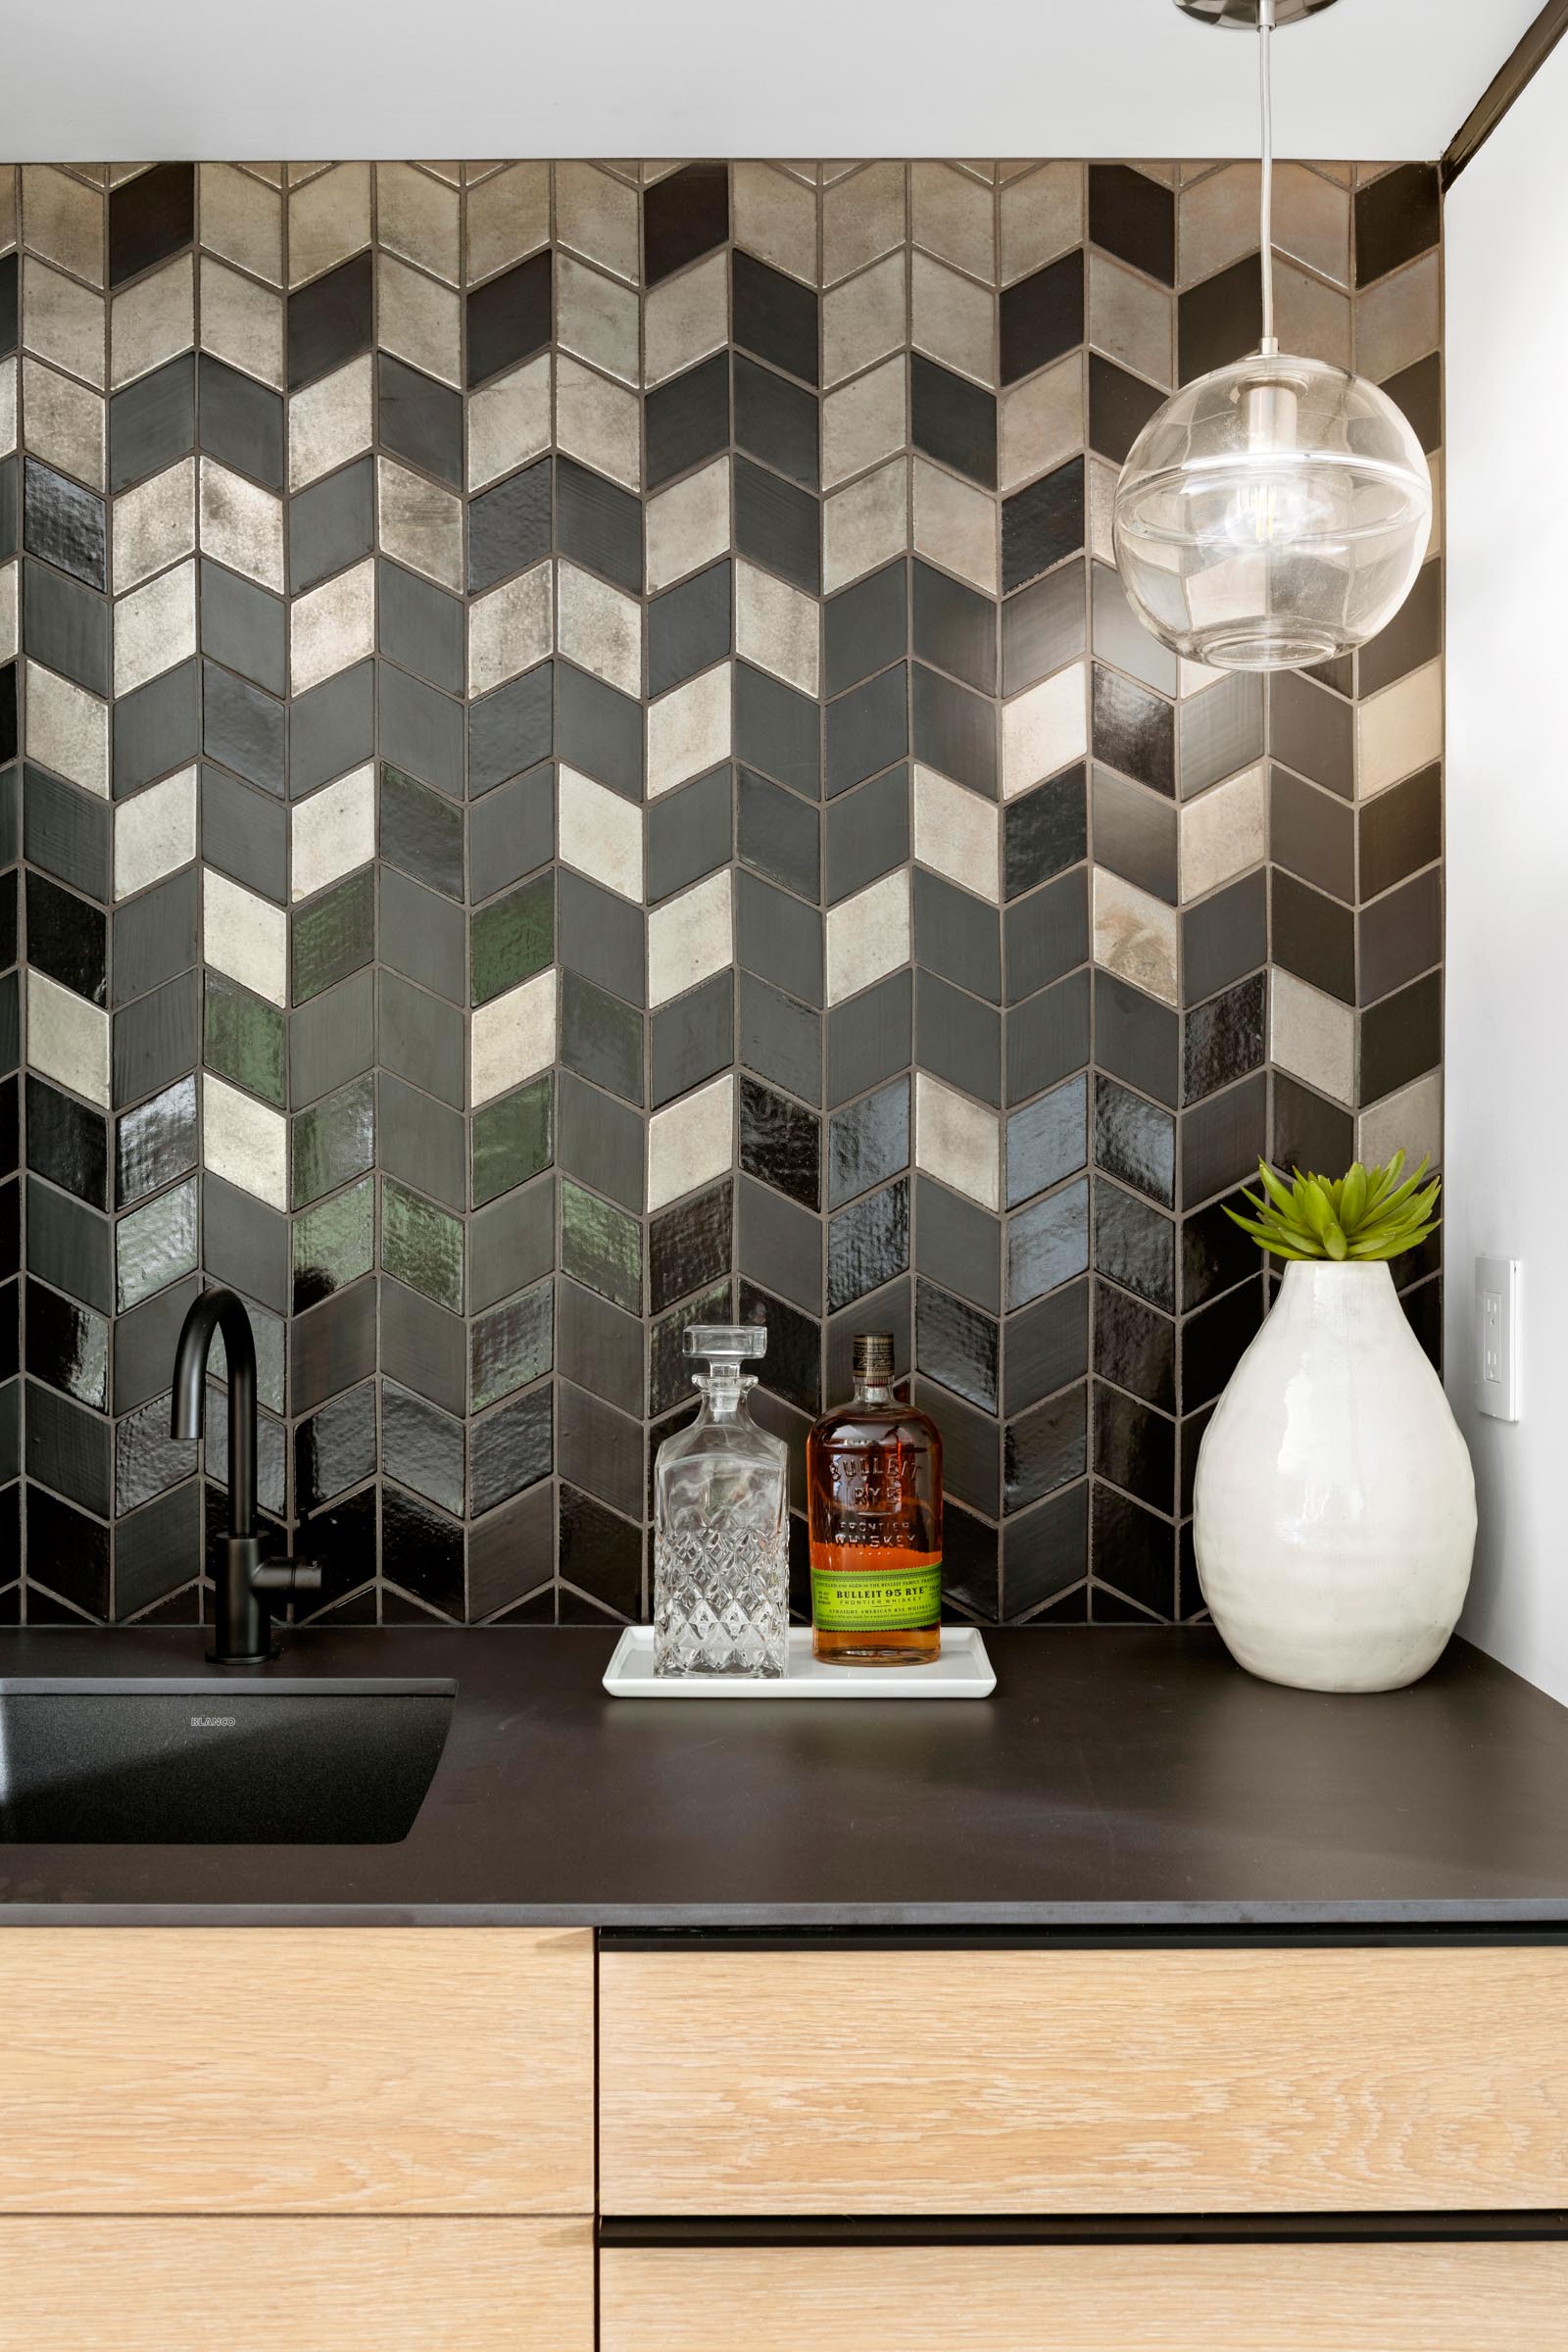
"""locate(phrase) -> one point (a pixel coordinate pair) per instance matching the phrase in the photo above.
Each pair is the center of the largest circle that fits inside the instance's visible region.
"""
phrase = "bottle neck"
(723, 1393)
(869, 1391)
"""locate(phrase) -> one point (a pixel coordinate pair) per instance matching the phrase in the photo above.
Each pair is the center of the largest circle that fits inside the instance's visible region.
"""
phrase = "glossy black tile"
(957, 1344)
(1135, 1141)
(1134, 730)
(512, 1447)
(1397, 215)
(1046, 1449)
(1044, 832)
(1135, 1245)
(68, 1346)
(151, 217)
(1307, 1130)
(954, 419)
(66, 1142)
(1045, 1558)
(686, 420)
(335, 1449)
(508, 318)
(1215, 1253)
(685, 215)
(1219, 320)
(1119, 407)
(1401, 1038)
(868, 1142)
(1214, 1341)
(780, 1142)
(64, 523)
(1224, 1039)
(330, 320)
(1048, 1243)
(793, 1365)
(1041, 524)
(68, 938)
(422, 1559)
(690, 1246)
(1042, 316)
(68, 1561)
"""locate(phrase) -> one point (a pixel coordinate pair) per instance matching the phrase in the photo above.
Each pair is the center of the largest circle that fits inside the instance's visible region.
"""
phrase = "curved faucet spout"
(221, 1310)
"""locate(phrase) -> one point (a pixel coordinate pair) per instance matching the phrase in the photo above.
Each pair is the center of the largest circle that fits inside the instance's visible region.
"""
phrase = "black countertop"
(1117, 1780)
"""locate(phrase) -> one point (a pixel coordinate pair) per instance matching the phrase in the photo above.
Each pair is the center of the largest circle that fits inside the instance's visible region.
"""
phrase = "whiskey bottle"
(873, 1474)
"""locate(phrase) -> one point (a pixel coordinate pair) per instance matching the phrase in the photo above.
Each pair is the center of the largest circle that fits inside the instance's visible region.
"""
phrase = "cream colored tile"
(509, 216)
(8, 206)
(509, 629)
(330, 423)
(595, 216)
(68, 1039)
(688, 525)
(690, 938)
(242, 323)
(332, 832)
(1216, 221)
(777, 627)
(421, 524)
(241, 525)
(597, 318)
(155, 628)
(864, 319)
(775, 218)
(953, 320)
(689, 730)
(66, 729)
(1041, 422)
(867, 935)
(957, 834)
(332, 627)
(8, 406)
(1131, 320)
(866, 423)
(64, 221)
(65, 422)
(1102, 480)
(955, 525)
(1224, 832)
(64, 323)
(958, 1142)
(1396, 320)
(600, 834)
(244, 1142)
(691, 1142)
(242, 220)
(685, 319)
(154, 524)
(1312, 1035)
(1312, 221)
(1137, 937)
(155, 833)
(511, 1038)
(863, 219)
(7, 612)
(1435, 535)
(951, 215)
(599, 629)
(1310, 317)
(599, 423)
(416, 217)
(418, 319)
(865, 525)
(152, 322)
(244, 936)
(329, 220)
(1042, 217)
(508, 422)
(1398, 730)
(1410, 1121)
(1044, 729)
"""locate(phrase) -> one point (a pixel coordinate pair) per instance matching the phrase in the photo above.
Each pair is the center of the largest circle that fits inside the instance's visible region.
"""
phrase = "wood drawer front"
(282, 2069)
(357, 2284)
(893, 2082)
(1256, 2298)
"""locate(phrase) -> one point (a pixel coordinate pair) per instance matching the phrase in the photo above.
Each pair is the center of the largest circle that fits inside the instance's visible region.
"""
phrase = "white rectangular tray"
(963, 1671)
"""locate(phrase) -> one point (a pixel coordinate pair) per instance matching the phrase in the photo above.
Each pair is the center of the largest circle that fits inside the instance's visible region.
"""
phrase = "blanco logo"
(213, 1722)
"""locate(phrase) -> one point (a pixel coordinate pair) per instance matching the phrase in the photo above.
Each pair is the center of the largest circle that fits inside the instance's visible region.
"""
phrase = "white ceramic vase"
(1334, 1506)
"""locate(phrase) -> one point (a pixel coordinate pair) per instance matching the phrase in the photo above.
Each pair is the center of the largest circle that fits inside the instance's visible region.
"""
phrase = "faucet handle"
(287, 1575)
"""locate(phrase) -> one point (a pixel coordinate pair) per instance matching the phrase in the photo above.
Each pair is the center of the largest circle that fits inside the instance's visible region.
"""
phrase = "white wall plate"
(963, 1671)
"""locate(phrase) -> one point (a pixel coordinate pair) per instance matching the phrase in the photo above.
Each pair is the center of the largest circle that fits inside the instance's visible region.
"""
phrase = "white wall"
(1506, 340)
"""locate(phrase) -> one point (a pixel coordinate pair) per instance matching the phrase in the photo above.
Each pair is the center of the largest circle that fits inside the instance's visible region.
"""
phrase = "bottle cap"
(736, 1343)
(873, 1356)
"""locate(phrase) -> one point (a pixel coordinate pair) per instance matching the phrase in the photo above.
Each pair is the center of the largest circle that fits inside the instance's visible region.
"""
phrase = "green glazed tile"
(242, 1038)
(335, 1244)
(511, 939)
(335, 936)
(512, 1139)
(512, 1346)
(155, 1245)
(421, 1244)
(334, 1140)
(602, 1245)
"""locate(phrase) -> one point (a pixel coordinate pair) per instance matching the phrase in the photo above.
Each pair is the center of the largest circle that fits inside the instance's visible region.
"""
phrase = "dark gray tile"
(601, 1037)
(777, 938)
(333, 1038)
(156, 728)
(156, 937)
(958, 1245)
(601, 936)
(422, 936)
(65, 625)
(692, 1039)
(1046, 1139)
(689, 833)
(421, 729)
(689, 628)
(780, 1039)
(600, 1141)
(240, 421)
(866, 730)
(870, 1038)
(152, 422)
(868, 834)
(601, 731)
(420, 1141)
(331, 728)
(243, 627)
(778, 834)
(245, 834)
(777, 730)
(956, 936)
(600, 525)
(419, 419)
(419, 626)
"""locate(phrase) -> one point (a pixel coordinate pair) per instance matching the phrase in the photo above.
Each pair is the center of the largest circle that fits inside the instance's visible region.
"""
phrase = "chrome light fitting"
(1274, 513)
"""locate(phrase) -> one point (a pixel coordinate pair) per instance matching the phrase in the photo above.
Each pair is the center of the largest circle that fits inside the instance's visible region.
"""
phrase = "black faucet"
(243, 1633)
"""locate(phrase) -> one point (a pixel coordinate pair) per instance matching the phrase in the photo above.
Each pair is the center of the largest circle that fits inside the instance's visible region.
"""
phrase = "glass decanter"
(722, 1571)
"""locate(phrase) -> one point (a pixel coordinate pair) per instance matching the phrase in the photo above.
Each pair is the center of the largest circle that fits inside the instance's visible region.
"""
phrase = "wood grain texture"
(1094, 2081)
(282, 2069)
(1327, 2298)
(359, 2284)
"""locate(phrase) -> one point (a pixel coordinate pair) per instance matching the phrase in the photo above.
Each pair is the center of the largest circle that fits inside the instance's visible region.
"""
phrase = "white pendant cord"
(1265, 27)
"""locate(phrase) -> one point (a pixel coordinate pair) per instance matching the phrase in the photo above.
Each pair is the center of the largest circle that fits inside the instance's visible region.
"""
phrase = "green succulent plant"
(1365, 1216)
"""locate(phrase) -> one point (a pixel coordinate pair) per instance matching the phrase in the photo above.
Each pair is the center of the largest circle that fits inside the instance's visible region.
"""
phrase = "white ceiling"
(123, 79)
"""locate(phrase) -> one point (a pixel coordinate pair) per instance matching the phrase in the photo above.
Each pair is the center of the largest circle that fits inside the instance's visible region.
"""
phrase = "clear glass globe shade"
(1272, 514)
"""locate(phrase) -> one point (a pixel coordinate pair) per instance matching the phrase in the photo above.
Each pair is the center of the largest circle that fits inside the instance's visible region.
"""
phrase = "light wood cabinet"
(358, 2284)
(1175, 2081)
(1255, 2298)
(296, 2070)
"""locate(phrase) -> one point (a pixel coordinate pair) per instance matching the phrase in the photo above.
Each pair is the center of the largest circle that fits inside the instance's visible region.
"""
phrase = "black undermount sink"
(193, 1762)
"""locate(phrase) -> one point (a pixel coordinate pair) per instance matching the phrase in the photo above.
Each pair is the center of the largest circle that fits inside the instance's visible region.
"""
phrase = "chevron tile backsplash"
(575, 759)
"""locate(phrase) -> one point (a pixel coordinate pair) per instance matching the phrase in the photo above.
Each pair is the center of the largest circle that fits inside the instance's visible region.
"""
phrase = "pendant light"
(1274, 513)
